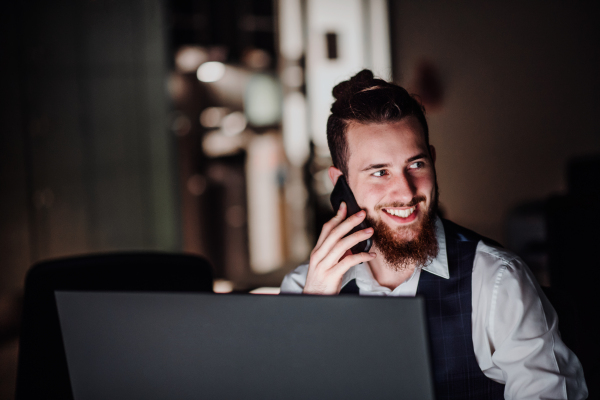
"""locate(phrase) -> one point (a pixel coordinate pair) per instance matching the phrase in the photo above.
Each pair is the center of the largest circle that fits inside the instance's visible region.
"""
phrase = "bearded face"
(392, 175)
(400, 253)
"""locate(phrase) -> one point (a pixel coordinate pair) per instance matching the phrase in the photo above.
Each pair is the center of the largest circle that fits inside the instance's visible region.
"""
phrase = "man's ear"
(432, 153)
(334, 174)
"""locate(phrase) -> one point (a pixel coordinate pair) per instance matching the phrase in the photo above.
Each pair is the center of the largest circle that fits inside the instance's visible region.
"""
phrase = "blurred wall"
(86, 161)
(521, 94)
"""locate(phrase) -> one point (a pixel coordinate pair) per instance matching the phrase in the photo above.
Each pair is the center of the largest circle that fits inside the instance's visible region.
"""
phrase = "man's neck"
(386, 276)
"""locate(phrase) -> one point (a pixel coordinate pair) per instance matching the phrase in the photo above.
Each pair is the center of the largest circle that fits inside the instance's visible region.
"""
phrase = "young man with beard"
(493, 333)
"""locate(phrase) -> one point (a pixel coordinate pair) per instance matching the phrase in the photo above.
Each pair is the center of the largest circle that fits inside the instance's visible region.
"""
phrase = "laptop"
(122, 345)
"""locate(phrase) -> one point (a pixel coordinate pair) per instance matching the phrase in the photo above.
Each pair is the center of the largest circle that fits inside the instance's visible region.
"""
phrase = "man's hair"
(364, 99)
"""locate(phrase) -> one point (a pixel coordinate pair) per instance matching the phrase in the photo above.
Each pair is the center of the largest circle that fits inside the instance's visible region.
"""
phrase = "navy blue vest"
(448, 303)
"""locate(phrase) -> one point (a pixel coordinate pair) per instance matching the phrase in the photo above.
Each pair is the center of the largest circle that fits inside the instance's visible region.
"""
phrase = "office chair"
(42, 365)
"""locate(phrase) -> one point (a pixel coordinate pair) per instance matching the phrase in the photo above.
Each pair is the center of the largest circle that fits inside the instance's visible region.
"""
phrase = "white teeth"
(402, 213)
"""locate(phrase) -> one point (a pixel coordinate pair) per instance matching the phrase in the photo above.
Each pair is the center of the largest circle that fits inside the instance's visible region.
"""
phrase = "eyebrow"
(418, 156)
(378, 166)
(375, 166)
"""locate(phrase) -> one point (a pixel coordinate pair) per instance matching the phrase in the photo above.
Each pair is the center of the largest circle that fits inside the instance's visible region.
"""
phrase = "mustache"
(413, 202)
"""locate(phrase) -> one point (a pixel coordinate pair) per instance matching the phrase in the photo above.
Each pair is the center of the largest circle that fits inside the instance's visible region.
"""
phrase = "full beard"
(400, 254)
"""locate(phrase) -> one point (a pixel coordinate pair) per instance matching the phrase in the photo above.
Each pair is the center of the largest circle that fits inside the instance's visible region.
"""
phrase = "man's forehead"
(409, 125)
(395, 139)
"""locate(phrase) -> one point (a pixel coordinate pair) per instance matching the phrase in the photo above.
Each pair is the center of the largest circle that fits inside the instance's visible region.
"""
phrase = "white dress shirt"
(515, 329)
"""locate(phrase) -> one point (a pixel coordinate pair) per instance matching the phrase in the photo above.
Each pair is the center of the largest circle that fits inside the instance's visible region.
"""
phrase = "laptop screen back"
(189, 346)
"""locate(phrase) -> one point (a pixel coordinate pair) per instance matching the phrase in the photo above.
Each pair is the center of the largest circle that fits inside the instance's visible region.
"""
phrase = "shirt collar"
(439, 265)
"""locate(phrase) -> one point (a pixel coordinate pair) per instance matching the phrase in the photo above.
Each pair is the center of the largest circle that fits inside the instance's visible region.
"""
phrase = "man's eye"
(417, 165)
(380, 173)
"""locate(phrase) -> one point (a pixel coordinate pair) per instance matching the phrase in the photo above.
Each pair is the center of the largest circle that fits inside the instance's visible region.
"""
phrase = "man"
(493, 333)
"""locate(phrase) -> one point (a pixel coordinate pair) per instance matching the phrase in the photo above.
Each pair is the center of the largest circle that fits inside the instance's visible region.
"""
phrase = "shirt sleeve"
(515, 331)
(294, 281)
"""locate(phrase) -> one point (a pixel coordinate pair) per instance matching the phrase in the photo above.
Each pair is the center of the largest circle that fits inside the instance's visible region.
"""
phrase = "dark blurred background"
(199, 126)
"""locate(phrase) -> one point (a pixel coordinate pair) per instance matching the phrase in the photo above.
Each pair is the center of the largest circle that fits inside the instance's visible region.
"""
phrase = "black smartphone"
(341, 192)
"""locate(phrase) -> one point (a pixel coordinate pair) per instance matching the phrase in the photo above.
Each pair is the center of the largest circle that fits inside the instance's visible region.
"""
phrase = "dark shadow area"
(558, 238)
(573, 222)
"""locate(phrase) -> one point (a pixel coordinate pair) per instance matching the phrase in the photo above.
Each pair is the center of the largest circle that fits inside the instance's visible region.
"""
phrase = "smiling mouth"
(401, 213)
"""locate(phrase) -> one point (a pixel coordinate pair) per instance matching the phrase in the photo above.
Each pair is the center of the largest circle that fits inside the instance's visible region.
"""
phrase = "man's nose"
(403, 189)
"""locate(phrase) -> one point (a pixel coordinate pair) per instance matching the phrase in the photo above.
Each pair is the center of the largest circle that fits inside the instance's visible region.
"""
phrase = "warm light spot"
(188, 58)
(256, 58)
(234, 123)
(211, 71)
(222, 286)
(196, 184)
(265, 290)
(216, 144)
(181, 124)
(211, 117)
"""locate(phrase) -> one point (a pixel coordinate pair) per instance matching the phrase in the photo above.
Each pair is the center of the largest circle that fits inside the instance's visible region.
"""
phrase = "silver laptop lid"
(214, 346)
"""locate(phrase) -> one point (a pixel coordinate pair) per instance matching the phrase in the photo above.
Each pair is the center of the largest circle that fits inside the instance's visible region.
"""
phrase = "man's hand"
(331, 257)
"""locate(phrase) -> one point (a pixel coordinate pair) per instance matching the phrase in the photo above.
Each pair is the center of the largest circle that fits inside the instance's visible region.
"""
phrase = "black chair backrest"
(42, 370)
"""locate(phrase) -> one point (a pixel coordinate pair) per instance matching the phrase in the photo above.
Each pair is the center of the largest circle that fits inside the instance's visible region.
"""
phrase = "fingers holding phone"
(327, 262)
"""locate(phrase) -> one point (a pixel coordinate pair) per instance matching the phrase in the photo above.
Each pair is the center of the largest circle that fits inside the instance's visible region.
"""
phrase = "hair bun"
(365, 76)
(357, 83)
